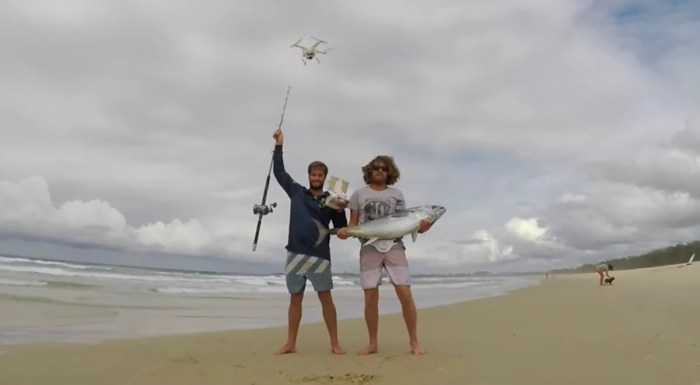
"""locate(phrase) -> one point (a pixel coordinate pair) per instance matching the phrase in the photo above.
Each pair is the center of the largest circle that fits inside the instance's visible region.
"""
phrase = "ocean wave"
(187, 280)
(52, 263)
(218, 290)
(451, 279)
(59, 272)
(448, 285)
(19, 282)
(243, 284)
(29, 272)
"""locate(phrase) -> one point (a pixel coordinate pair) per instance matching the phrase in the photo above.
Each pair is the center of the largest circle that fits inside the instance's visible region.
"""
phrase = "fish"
(392, 226)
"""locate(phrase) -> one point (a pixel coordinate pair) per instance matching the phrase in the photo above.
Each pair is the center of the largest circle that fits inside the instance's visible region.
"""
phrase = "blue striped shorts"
(300, 267)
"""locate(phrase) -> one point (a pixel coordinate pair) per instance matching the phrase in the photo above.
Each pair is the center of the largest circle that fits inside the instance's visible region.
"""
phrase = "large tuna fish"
(392, 226)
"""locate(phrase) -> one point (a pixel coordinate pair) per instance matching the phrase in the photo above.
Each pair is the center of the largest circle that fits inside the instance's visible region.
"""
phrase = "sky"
(555, 132)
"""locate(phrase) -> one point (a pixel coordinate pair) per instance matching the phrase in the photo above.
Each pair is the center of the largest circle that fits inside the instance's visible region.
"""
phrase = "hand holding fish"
(342, 233)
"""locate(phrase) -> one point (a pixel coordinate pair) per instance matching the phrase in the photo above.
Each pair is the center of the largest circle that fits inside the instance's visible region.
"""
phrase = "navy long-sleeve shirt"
(303, 232)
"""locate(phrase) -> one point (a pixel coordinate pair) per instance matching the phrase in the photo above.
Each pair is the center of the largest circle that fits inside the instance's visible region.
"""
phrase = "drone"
(310, 53)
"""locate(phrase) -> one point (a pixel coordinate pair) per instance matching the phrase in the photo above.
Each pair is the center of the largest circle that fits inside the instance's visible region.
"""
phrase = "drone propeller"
(319, 40)
(295, 44)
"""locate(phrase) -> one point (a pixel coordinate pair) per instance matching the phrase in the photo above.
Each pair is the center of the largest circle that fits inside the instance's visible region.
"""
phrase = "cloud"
(526, 229)
(27, 210)
(549, 131)
(688, 139)
(484, 245)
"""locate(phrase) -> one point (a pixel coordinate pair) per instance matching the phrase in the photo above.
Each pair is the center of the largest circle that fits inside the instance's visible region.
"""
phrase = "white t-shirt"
(372, 204)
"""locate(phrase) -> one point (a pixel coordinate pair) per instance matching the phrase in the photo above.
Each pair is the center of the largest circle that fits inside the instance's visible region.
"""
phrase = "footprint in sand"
(187, 358)
(348, 378)
(389, 358)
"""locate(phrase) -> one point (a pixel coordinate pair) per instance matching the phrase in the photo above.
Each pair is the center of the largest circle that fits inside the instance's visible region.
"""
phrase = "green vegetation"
(672, 255)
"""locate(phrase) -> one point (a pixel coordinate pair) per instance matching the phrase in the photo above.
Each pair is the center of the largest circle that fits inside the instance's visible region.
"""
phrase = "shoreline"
(642, 330)
(311, 308)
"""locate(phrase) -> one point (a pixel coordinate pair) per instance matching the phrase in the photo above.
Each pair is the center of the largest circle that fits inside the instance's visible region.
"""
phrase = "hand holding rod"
(262, 209)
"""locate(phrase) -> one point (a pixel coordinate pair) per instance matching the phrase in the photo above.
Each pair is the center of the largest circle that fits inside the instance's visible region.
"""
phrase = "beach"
(568, 330)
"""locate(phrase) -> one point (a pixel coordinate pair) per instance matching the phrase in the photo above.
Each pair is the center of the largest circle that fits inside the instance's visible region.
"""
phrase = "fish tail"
(322, 232)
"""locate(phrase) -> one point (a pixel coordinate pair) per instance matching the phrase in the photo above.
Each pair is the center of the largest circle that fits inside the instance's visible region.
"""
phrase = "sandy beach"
(644, 329)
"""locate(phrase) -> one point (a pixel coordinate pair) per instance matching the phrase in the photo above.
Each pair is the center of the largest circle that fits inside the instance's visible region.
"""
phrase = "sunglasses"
(380, 168)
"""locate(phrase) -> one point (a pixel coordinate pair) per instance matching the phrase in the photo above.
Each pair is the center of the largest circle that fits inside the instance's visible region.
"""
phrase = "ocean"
(49, 300)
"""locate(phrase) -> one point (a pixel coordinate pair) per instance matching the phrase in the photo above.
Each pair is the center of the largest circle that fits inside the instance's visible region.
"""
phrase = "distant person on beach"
(603, 268)
(378, 198)
(304, 259)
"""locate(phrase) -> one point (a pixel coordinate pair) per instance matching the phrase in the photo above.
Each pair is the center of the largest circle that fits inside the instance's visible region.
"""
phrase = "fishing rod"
(262, 209)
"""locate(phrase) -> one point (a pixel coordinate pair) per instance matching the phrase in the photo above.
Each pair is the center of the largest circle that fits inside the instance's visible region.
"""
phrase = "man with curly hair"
(377, 199)
(306, 257)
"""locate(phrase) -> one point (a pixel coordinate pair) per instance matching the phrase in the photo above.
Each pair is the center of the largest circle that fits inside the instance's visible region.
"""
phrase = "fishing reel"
(264, 209)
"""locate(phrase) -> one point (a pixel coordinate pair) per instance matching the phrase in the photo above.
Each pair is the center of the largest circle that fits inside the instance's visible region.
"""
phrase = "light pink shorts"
(393, 261)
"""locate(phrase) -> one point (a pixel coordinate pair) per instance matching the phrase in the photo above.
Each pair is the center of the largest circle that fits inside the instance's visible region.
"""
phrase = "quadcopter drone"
(310, 53)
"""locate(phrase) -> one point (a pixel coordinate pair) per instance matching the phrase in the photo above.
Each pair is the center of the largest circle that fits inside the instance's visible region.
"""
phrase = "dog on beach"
(609, 281)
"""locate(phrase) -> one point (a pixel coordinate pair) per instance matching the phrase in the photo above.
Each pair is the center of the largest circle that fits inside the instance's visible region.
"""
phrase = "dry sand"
(645, 329)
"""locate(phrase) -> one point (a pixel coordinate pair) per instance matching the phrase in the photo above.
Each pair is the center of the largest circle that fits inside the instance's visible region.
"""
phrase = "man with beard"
(377, 199)
(306, 259)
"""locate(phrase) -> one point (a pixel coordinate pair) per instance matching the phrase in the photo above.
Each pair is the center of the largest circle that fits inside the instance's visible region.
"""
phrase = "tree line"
(671, 255)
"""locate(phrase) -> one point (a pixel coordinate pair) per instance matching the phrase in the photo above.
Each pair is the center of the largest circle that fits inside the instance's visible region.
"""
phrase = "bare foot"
(337, 350)
(416, 349)
(286, 348)
(370, 349)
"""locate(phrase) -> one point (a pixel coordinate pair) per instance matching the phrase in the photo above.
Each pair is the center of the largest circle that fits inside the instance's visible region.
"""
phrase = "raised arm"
(283, 178)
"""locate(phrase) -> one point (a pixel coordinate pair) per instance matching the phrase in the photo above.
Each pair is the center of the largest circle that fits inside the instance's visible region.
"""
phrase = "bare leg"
(410, 316)
(601, 277)
(372, 319)
(330, 317)
(294, 319)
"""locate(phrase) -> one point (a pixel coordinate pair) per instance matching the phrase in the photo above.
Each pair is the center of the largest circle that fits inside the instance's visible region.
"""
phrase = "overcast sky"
(556, 133)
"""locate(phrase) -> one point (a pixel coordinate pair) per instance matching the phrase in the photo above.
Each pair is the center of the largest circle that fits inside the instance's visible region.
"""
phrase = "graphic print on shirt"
(377, 208)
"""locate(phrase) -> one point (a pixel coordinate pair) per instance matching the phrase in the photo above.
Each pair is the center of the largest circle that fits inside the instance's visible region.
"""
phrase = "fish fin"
(414, 235)
(368, 241)
(322, 232)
